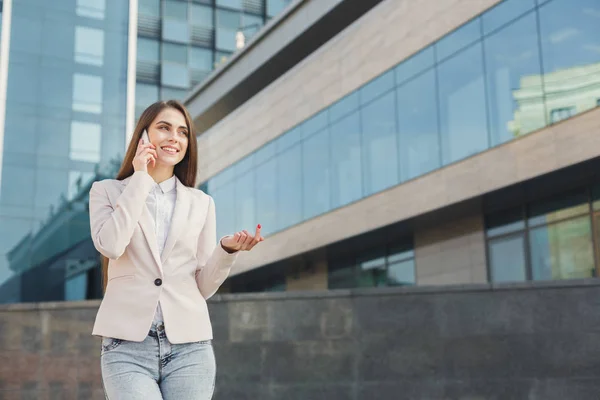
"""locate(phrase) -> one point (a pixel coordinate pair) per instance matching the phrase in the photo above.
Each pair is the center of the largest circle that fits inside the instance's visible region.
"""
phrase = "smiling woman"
(161, 263)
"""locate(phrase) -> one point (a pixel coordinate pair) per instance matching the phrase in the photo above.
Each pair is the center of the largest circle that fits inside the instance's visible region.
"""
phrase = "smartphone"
(145, 137)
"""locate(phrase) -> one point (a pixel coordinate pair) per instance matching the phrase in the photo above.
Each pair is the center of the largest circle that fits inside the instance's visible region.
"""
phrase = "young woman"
(161, 263)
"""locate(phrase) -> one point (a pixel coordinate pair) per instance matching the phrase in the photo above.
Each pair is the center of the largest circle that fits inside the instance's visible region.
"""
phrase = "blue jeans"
(156, 369)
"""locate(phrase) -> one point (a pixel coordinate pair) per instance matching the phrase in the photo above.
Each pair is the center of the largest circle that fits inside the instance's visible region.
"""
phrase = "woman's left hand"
(241, 241)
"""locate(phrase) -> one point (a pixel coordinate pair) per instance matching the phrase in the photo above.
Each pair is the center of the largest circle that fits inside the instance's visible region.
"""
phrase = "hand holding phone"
(146, 154)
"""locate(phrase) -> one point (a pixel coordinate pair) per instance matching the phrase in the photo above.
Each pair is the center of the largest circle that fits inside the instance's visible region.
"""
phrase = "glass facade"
(65, 122)
(180, 42)
(518, 67)
(552, 239)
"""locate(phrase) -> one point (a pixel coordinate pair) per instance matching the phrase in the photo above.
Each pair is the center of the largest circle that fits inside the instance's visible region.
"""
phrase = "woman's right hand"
(146, 153)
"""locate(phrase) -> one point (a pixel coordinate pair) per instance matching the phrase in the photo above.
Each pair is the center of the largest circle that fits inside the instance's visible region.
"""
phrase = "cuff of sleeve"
(142, 178)
(228, 257)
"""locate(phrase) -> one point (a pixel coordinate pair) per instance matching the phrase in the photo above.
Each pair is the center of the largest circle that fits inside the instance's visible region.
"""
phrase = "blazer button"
(158, 282)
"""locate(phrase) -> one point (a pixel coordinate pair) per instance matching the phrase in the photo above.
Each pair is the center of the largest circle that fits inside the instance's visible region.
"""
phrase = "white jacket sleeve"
(112, 228)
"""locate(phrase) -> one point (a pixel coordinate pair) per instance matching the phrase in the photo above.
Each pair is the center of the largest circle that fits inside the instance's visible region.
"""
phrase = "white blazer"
(190, 270)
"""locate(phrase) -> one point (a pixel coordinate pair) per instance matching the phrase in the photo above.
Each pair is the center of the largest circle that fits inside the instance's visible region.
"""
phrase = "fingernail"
(259, 226)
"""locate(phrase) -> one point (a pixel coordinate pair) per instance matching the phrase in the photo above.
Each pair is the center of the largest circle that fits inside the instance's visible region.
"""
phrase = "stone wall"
(524, 341)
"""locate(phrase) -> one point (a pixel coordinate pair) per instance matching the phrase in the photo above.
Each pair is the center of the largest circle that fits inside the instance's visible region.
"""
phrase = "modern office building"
(73, 77)
(405, 142)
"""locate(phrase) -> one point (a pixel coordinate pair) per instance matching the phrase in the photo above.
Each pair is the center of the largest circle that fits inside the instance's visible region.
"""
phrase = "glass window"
(401, 273)
(175, 75)
(563, 250)
(346, 185)
(571, 53)
(559, 114)
(274, 7)
(224, 198)
(86, 139)
(245, 204)
(237, 4)
(87, 93)
(558, 208)
(341, 274)
(316, 173)
(147, 50)
(462, 37)
(145, 94)
(244, 165)
(507, 259)
(201, 59)
(176, 10)
(149, 7)
(462, 105)
(372, 272)
(175, 31)
(379, 144)
(418, 63)
(505, 12)
(514, 84)
(419, 139)
(289, 187)
(314, 124)
(221, 57)
(202, 16)
(377, 87)
(91, 8)
(288, 139)
(89, 45)
(504, 222)
(344, 106)
(174, 52)
(265, 153)
(76, 181)
(170, 93)
(228, 23)
(266, 196)
(76, 287)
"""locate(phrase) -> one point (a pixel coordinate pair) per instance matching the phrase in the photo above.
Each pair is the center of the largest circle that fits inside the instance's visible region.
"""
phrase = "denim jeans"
(156, 369)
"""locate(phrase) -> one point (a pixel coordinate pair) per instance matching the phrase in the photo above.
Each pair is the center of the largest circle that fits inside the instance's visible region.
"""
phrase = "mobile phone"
(145, 137)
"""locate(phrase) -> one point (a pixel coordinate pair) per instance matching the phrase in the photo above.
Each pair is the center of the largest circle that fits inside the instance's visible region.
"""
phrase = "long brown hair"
(185, 170)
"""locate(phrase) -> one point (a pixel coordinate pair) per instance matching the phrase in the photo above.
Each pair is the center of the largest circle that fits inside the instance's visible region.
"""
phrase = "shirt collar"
(168, 185)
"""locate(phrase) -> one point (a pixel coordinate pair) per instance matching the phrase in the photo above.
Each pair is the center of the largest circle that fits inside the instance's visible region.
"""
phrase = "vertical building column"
(4, 54)
(131, 70)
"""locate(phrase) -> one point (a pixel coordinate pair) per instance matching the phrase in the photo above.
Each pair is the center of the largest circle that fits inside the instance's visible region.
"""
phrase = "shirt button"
(158, 282)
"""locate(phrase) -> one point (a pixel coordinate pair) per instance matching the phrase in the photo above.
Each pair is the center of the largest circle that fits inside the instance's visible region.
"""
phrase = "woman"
(158, 234)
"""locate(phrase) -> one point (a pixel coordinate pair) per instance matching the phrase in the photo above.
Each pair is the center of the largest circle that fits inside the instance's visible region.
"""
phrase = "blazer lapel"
(179, 221)
(147, 225)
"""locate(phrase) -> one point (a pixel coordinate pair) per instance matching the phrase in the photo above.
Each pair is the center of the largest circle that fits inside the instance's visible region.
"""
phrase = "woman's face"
(170, 134)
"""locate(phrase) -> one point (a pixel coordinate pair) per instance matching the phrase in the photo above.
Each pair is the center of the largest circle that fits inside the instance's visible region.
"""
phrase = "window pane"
(558, 208)
(175, 75)
(274, 7)
(419, 139)
(415, 65)
(145, 94)
(265, 153)
(372, 273)
(89, 46)
(341, 274)
(402, 273)
(289, 187)
(314, 124)
(237, 4)
(346, 185)
(507, 259)
(149, 7)
(201, 59)
(288, 139)
(85, 141)
(571, 52)
(504, 13)
(224, 198)
(245, 202)
(202, 16)
(175, 31)
(228, 23)
(504, 222)
(379, 144)
(316, 173)
(170, 93)
(562, 251)
(462, 105)
(343, 107)
(377, 87)
(459, 39)
(87, 93)
(147, 50)
(266, 195)
(176, 10)
(91, 8)
(175, 53)
(513, 81)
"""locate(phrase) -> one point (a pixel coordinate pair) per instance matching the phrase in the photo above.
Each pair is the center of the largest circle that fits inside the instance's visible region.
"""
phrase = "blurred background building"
(379, 143)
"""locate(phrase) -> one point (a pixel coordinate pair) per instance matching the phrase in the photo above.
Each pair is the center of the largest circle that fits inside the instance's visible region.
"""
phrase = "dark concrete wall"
(521, 341)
